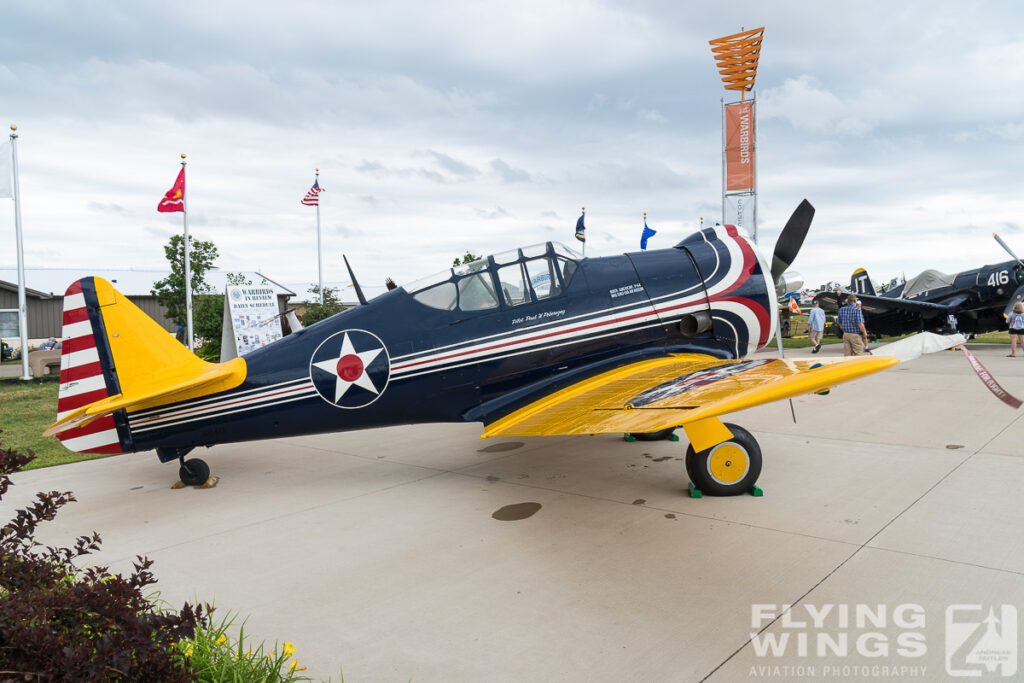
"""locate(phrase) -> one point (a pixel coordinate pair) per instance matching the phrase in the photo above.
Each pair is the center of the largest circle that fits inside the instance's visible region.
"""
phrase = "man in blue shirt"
(815, 326)
(855, 335)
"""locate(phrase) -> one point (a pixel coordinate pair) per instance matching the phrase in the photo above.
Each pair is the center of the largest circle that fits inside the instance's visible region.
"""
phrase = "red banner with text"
(739, 146)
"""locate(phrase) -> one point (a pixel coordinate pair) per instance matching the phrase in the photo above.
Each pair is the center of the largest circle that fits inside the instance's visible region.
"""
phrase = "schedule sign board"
(251, 320)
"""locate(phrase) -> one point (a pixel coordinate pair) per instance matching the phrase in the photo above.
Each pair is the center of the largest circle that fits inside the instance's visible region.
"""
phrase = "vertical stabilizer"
(860, 283)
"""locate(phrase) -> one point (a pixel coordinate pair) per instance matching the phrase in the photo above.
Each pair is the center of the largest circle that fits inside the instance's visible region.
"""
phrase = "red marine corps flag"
(174, 200)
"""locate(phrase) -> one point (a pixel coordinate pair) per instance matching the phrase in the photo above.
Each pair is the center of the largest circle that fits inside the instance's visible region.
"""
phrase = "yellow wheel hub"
(728, 463)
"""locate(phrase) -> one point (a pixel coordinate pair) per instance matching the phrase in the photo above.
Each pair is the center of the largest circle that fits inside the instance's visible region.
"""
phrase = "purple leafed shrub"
(59, 623)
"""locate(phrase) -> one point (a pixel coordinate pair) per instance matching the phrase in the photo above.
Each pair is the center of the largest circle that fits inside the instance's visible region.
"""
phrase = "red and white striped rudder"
(83, 377)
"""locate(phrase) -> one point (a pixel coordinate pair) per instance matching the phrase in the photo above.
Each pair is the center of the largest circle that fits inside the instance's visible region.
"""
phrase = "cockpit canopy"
(512, 278)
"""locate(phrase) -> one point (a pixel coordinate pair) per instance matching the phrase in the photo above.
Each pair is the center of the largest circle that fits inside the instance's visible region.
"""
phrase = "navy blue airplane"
(972, 301)
(533, 341)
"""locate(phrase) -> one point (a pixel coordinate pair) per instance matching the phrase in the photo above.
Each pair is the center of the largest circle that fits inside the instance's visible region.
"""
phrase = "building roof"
(13, 287)
(346, 292)
(130, 282)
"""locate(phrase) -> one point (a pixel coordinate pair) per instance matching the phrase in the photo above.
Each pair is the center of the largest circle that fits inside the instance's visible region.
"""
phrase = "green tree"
(171, 290)
(469, 257)
(315, 312)
(207, 306)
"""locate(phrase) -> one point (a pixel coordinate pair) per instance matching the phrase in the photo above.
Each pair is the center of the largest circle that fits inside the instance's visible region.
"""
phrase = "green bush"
(58, 622)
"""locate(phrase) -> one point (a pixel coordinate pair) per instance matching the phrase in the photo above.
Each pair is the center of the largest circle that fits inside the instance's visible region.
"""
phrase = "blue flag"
(580, 228)
(648, 233)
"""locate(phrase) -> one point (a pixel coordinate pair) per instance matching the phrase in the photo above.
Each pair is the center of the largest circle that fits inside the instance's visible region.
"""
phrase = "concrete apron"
(376, 552)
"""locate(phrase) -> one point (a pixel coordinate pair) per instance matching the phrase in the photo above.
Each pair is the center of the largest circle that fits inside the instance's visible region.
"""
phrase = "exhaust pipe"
(693, 324)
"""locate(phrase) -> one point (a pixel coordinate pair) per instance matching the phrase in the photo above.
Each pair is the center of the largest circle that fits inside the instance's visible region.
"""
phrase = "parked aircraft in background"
(532, 341)
(972, 301)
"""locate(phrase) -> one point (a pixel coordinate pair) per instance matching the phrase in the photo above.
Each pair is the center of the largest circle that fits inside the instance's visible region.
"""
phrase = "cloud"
(508, 173)
(451, 165)
(498, 212)
(101, 207)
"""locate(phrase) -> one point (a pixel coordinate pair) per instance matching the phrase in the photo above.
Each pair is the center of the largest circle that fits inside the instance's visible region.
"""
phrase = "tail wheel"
(729, 468)
(194, 472)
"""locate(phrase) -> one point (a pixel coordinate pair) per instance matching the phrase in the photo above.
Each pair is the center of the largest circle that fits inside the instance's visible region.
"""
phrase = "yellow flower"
(223, 639)
(188, 652)
(295, 667)
(289, 649)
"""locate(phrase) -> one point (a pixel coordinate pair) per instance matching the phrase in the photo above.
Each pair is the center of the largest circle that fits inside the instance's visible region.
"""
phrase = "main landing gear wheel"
(194, 472)
(730, 468)
(659, 435)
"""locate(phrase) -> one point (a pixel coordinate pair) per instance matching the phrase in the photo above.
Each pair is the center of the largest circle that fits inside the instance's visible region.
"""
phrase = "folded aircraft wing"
(880, 305)
(655, 394)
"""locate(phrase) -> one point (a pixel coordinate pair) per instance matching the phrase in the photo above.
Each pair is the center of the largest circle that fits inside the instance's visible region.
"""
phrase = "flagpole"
(319, 251)
(22, 307)
(584, 212)
(188, 270)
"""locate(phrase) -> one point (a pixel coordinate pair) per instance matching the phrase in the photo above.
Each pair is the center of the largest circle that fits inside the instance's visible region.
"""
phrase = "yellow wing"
(679, 390)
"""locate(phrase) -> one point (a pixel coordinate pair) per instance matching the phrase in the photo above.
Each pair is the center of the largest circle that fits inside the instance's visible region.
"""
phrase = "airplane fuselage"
(476, 343)
(976, 299)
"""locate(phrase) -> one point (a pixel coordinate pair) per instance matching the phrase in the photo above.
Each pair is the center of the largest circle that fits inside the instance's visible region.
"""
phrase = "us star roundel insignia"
(350, 369)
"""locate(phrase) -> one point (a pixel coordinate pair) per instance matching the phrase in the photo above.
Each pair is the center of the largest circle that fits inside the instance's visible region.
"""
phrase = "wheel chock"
(695, 492)
(756, 492)
(674, 437)
(629, 438)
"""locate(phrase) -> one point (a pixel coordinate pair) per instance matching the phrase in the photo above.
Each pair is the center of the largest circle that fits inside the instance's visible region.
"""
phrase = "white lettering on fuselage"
(538, 317)
(626, 290)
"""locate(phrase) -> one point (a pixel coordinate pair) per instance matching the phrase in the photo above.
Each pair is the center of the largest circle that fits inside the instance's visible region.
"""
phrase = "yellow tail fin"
(115, 357)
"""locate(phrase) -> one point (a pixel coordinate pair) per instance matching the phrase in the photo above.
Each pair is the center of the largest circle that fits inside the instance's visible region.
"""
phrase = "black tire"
(659, 435)
(194, 472)
(720, 471)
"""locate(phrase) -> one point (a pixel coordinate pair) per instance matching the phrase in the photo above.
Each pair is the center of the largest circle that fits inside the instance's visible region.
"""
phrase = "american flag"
(312, 197)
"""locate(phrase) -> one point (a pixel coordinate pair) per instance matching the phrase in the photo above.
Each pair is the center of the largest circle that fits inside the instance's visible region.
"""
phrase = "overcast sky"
(441, 127)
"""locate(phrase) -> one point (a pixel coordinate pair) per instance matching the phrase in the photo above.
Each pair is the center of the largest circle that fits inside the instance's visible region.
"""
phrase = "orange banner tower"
(737, 56)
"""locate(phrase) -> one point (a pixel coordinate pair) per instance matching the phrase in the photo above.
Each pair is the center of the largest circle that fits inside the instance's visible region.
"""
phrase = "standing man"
(815, 326)
(851, 320)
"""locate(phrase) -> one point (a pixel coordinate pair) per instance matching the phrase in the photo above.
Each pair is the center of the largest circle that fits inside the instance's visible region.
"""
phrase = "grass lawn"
(26, 409)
